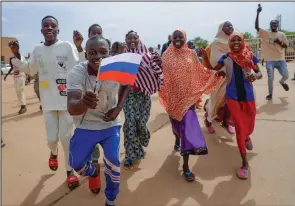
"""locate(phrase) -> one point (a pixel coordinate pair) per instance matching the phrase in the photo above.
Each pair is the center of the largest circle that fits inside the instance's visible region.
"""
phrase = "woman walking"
(185, 80)
(239, 63)
(216, 106)
(138, 105)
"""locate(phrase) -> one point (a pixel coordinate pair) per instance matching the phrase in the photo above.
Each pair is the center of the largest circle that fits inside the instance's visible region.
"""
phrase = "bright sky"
(153, 21)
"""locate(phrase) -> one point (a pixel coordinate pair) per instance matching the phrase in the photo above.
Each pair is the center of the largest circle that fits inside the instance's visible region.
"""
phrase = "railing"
(255, 45)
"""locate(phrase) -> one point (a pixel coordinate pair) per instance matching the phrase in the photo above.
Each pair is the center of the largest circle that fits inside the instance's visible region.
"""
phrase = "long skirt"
(136, 134)
(190, 133)
(243, 115)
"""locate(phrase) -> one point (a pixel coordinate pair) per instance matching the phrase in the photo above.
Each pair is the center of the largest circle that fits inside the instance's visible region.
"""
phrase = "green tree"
(200, 43)
(288, 32)
(248, 35)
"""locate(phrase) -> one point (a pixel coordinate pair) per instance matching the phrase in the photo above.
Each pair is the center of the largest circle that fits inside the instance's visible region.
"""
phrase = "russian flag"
(121, 68)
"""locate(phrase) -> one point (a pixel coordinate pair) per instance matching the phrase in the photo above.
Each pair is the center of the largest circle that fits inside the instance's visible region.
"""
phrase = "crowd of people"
(70, 94)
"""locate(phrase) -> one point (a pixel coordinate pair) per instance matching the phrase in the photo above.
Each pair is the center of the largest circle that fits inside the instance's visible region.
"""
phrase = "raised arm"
(78, 39)
(257, 18)
(29, 67)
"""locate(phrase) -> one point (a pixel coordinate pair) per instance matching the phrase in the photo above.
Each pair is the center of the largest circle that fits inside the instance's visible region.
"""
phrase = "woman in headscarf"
(185, 80)
(215, 106)
(138, 105)
(239, 63)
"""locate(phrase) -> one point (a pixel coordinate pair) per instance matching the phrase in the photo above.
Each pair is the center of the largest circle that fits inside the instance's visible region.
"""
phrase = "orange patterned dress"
(185, 80)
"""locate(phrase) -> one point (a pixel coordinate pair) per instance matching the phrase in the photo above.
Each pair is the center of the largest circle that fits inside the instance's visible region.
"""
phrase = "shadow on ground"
(17, 117)
(271, 109)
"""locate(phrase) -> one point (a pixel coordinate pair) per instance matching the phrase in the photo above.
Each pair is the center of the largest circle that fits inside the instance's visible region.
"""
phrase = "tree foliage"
(288, 32)
(248, 35)
(200, 43)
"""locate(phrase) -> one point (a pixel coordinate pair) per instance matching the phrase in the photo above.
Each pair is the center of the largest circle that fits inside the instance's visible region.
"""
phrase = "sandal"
(209, 126)
(73, 181)
(94, 182)
(53, 164)
(177, 147)
(242, 173)
(249, 144)
(189, 176)
(128, 165)
(230, 129)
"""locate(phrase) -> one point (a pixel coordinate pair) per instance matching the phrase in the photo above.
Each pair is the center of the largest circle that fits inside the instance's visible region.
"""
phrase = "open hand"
(90, 99)
(112, 114)
(77, 38)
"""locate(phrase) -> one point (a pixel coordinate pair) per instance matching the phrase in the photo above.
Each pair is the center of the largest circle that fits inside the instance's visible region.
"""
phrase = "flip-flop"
(211, 129)
(231, 129)
(249, 144)
(189, 176)
(242, 173)
(177, 147)
(128, 165)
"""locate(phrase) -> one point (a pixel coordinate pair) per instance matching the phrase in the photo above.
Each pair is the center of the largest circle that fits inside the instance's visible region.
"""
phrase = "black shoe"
(40, 107)
(285, 86)
(269, 97)
(293, 79)
(22, 110)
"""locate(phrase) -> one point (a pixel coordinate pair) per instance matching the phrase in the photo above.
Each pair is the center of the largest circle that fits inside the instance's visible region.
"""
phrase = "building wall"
(5, 50)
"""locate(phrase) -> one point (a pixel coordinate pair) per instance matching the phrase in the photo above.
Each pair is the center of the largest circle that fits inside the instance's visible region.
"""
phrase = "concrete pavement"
(157, 180)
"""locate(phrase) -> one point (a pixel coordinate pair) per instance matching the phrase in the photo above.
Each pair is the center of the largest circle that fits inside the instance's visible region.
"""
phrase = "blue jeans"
(281, 66)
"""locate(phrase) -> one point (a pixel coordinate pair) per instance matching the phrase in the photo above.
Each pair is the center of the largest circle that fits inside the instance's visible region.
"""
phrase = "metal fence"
(255, 45)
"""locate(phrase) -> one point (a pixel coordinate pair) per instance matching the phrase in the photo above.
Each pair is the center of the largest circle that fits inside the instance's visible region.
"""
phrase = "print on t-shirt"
(61, 63)
(62, 86)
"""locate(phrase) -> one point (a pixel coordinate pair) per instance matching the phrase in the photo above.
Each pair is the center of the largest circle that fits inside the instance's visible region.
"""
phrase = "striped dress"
(150, 76)
(137, 107)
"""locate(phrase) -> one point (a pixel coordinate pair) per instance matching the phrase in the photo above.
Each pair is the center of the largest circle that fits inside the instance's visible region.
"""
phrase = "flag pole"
(100, 60)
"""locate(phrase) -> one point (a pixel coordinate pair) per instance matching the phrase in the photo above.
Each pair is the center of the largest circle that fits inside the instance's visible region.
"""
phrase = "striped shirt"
(150, 76)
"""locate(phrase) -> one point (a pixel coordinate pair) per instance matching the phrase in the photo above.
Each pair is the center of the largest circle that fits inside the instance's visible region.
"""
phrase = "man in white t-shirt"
(95, 109)
(19, 77)
(158, 49)
(274, 43)
(53, 60)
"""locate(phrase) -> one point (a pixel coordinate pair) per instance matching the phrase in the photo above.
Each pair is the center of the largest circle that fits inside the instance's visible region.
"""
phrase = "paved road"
(157, 180)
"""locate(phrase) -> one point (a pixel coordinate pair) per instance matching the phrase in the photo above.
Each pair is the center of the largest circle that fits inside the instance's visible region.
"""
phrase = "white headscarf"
(219, 46)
